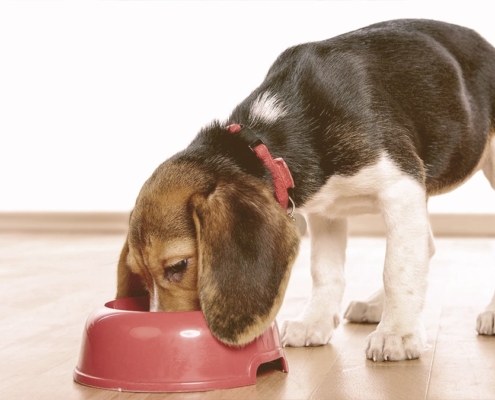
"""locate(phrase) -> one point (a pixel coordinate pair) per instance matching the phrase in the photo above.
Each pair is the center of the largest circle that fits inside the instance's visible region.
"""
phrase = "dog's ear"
(246, 247)
(129, 284)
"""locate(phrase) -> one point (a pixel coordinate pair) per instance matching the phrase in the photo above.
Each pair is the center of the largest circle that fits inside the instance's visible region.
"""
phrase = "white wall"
(94, 95)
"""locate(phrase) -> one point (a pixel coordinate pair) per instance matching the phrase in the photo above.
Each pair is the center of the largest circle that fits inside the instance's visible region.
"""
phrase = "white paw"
(304, 331)
(485, 324)
(364, 311)
(389, 346)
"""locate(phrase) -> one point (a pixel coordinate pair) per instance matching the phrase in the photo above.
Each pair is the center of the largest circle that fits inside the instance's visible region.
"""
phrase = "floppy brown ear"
(129, 284)
(246, 247)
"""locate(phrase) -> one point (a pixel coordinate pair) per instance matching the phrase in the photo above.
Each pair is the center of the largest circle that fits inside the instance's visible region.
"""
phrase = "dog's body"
(376, 120)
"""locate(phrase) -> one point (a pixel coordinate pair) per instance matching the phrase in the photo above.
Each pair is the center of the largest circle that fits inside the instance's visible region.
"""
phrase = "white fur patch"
(266, 108)
(489, 161)
(343, 196)
(155, 299)
(321, 316)
(402, 201)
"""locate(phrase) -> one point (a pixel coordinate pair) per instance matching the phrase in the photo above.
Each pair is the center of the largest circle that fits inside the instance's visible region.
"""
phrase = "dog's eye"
(175, 272)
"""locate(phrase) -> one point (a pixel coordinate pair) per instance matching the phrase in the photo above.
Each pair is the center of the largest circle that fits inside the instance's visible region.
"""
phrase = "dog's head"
(218, 242)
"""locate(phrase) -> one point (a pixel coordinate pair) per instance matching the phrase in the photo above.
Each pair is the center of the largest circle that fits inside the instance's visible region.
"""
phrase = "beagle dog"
(375, 120)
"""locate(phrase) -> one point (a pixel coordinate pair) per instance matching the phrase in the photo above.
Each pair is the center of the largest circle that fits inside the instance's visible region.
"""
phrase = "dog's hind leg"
(368, 311)
(485, 324)
(316, 325)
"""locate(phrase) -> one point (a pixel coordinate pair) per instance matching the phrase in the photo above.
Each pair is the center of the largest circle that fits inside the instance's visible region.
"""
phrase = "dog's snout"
(155, 299)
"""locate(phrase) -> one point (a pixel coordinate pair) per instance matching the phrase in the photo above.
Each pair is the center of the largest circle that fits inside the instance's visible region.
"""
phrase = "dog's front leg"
(315, 326)
(400, 335)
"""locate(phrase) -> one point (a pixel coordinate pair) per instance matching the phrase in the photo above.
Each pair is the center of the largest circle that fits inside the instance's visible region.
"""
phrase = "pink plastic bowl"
(127, 348)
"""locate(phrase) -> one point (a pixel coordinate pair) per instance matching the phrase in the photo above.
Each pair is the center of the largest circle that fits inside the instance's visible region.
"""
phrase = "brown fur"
(241, 245)
(129, 284)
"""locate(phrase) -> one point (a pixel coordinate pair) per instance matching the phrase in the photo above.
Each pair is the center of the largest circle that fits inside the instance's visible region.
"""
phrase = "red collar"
(282, 178)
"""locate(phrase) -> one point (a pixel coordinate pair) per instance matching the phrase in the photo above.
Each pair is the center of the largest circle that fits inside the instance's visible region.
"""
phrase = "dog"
(372, 121)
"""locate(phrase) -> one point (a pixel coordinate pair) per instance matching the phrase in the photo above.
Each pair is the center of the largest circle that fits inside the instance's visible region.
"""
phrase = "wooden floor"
(51, 282)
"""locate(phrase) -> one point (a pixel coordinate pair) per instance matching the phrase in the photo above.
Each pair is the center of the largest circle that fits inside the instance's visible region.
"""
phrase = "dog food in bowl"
(125, 347)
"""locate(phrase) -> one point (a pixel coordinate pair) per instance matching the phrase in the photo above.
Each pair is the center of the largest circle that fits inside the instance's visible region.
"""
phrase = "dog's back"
(429, 84)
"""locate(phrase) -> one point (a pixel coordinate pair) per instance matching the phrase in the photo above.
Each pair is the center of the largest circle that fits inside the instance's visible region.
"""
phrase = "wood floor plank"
(51, 282)
(464, 362)
(464, 365)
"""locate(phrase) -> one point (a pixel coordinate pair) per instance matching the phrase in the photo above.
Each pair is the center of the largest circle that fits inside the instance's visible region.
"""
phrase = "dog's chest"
(336, 204)
(343, 196)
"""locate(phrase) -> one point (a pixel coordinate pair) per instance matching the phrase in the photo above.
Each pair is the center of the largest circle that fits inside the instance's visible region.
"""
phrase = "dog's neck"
(281, 176)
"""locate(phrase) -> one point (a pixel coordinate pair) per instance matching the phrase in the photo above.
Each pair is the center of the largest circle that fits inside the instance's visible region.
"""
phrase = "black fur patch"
(421, 90)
